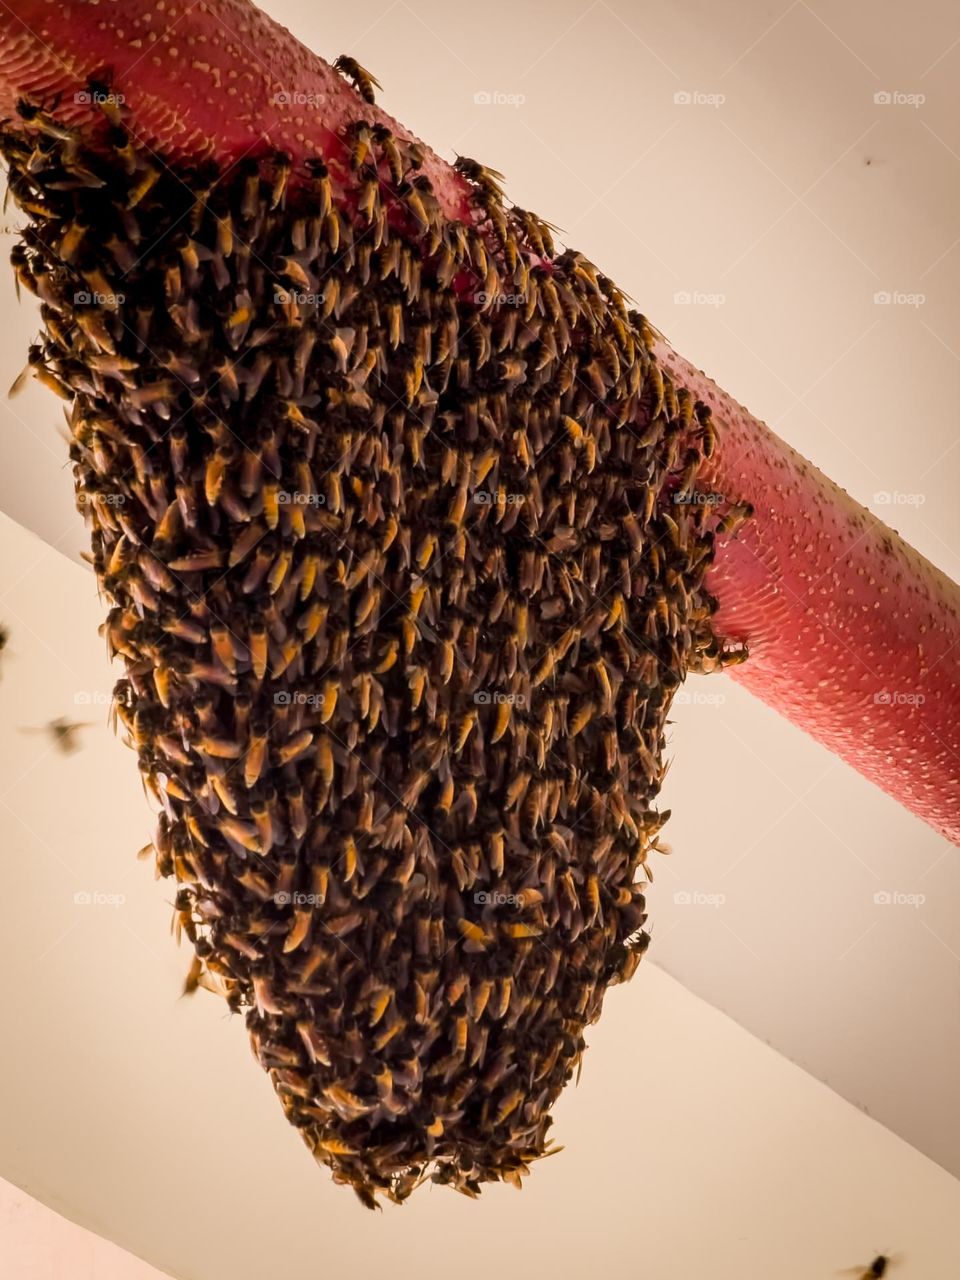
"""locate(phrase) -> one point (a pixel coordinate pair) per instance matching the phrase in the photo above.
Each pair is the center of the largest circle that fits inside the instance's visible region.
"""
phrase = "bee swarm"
(380, 503)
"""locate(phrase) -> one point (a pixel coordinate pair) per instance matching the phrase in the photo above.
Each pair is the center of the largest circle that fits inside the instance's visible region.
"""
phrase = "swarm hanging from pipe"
(377, 498)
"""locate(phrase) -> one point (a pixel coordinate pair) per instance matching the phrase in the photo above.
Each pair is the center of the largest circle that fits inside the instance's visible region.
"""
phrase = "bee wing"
(211, 982)
(69, 729)
(369, 76)
(193, 978)
(19, 382)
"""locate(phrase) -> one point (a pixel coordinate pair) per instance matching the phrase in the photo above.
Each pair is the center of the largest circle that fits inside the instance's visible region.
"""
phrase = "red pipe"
(852, 634)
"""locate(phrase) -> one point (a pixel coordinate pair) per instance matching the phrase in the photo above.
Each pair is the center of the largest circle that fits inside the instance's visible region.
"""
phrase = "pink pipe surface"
(852, 634)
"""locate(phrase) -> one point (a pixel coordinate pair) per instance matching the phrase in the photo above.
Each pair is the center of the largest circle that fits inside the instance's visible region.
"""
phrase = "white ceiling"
(36, 1243)
(797, 199)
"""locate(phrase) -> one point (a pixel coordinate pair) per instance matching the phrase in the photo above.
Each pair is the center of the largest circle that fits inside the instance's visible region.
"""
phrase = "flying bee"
(362, 80)
(878, 1267)
(63, 734)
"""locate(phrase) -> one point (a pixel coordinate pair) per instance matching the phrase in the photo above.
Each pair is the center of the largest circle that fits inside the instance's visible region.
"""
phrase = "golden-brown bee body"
(361, 79)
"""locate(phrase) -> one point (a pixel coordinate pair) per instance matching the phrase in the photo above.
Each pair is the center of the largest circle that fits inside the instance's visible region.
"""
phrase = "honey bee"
(34, 114)
(282, 165)
(63, 734)
(735, 656)
(194, 974)
(388, 145)
(36, 367)
(734, 519)
(362, 80)
(880, 1266)
(109, 103)
(487, 179)
(147, 181)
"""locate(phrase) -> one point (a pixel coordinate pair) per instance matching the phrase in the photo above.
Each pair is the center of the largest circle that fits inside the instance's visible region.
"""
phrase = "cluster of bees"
(374, 497)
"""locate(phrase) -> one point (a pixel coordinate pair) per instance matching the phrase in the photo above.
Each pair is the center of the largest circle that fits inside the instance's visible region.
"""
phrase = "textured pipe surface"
(838, 610)
(853, 635)
(211, 80)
